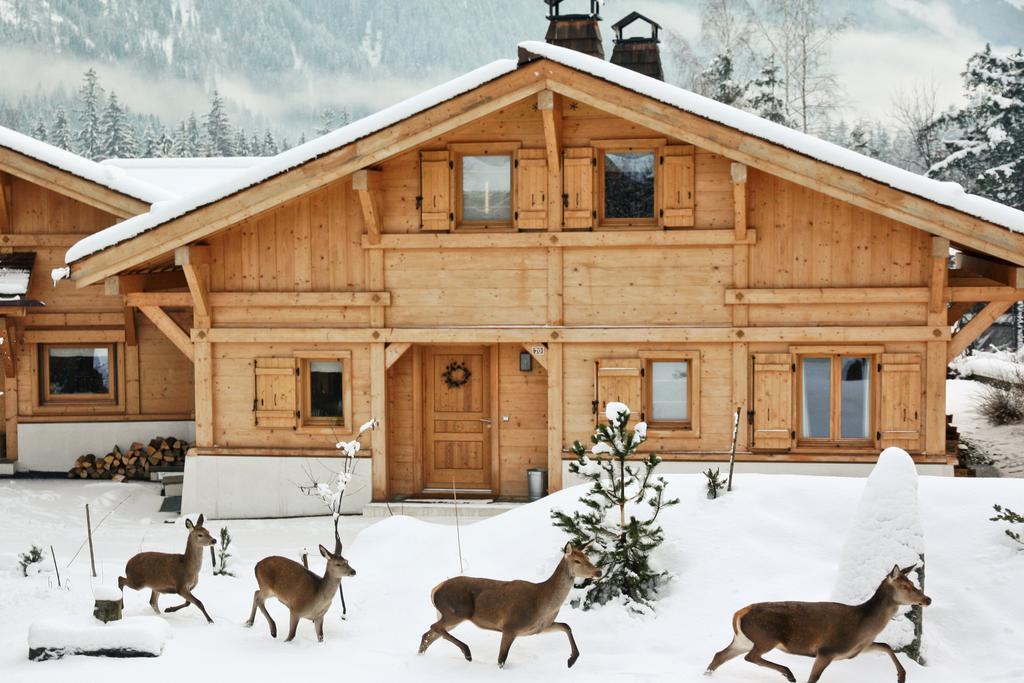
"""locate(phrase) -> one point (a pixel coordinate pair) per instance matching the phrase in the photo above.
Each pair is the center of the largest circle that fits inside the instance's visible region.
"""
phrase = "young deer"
(515, 608)
(826, 631)
(304, 593)
(171, 573)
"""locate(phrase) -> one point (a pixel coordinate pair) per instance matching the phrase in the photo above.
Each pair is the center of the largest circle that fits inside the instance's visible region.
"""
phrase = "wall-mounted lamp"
(525, 361)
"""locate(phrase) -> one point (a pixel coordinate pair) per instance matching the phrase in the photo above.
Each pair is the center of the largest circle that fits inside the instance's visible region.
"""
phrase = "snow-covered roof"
(15, 272)
(182, 176)
(110, 177)
(950, 195)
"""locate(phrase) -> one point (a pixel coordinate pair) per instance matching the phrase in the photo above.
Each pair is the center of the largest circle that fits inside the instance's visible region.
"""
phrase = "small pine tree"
(223, 554)
(609, 522)
(717, 81)
(269, 147)
(90, 102)
(256, 146)
(217, 129)
(118, 138)
(34, 555)
(241, 144)
(763, 94)
(187, 138)
(1008, 515)
(714, 482)
(39, 131)
(60, 135)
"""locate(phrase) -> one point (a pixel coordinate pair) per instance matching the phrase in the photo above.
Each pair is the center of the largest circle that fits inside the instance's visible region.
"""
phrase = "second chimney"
(578, 32)
(641, 54)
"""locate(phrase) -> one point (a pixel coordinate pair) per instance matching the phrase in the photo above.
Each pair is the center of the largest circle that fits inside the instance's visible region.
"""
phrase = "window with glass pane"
(816, 397)
(487, 188)
(78, 371)
(854, 416)
(670, 397)
(628, 185)
(325, 389)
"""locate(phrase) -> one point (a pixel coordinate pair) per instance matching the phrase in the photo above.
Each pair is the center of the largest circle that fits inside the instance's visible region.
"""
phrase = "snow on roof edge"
(950, 195)
(109, 177)
(165, 211)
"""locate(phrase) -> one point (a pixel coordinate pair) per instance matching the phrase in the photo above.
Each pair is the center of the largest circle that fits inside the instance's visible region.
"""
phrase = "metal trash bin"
(537, 483)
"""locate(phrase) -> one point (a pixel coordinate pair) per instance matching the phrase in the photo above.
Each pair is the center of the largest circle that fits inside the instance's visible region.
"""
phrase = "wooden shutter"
(620, 380)
(773, 401)
(899, 419)
(436, 205)
(531, 188)
(276, 402)
(578, 169)
(677, 187)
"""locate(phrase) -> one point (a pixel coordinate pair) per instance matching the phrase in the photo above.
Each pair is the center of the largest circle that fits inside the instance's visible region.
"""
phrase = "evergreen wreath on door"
(456, 374)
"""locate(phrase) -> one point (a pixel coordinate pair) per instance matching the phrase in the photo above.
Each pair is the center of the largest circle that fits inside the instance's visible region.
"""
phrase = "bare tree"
(917, 110)
(728, 28)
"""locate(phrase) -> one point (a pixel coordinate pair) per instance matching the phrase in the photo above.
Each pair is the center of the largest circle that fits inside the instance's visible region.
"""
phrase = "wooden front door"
(457, 419)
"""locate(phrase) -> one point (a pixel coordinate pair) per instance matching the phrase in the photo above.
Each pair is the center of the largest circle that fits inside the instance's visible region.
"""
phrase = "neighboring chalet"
(484, 266)
(82, 371)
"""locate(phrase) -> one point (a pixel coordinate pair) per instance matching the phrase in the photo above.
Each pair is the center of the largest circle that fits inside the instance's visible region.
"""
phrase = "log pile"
(134, 463)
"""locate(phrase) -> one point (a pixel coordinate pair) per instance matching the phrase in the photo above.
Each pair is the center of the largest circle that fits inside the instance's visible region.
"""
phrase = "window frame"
(306, 422)
(691, 426)
(604, 147)
(462, 150)
(47, 399)
(835, 439)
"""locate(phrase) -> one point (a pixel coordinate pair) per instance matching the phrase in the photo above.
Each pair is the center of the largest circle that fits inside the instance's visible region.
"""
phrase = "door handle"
(486, 421)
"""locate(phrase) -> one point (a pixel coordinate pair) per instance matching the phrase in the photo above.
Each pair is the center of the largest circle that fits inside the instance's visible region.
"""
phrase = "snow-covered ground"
(775, 537)
(1004, 444)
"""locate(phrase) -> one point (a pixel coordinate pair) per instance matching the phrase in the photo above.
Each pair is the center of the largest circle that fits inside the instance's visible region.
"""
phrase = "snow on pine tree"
(88, 140)
(986, 153)
(886, 530)
(763, 93)
(217, 129)
(117, 136)
(619, 515)
(60, 135)
(39, 131)
(718, 81)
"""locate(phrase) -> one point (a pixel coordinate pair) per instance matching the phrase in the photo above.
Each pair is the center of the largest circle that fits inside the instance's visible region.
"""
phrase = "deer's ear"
(567, 549)
(188, 524)
(895, 573)
(907, 570)
(323, 551)
(199, 522)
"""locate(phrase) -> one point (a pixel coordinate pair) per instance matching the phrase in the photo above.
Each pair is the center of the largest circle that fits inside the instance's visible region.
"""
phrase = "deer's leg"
(507, 638)
(439, 629)
(187, 594)
(901, 673)
(154, 599)
(255, 604)
(293, 625)
(755, 657)
(318, 624)
(731, 651)
(820, 662)
(175, 608)
(564, 628)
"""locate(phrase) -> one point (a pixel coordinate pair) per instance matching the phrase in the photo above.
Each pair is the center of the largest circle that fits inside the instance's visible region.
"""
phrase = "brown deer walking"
(169, 572)
(826, 631)
(514, 608)
(305, 594)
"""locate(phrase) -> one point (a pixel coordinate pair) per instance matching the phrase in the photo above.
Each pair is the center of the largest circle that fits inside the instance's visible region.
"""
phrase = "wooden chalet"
(484, 267)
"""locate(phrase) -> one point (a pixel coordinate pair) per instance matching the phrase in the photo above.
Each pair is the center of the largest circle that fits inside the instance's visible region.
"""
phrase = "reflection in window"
(856, 397)
(325, 396)
(78, 371)
(816, 397)
(486, 188)
(629, 185)
(669, 391)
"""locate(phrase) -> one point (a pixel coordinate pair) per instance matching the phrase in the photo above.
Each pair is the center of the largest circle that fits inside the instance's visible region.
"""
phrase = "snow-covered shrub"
(1008, 515)
(619, 492)
(714, 482)
(223, 554)
(1004, 404)
(29, 560)
(886, 530)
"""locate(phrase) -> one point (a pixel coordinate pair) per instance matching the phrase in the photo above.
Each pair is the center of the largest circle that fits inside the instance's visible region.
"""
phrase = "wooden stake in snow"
(54, 556)
(735, 437)
(458, 528)
(88, 531)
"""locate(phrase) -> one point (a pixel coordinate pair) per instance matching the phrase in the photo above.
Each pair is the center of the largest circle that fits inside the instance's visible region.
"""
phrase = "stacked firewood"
(135, 463)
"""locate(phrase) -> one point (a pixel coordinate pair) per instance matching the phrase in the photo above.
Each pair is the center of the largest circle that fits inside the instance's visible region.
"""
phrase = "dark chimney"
(578, 32)
(641, 54)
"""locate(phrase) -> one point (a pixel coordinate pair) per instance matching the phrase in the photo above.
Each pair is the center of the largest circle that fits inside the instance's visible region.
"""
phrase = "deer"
(306, 595)
(513, 608)
(171, 573)
(826, 631)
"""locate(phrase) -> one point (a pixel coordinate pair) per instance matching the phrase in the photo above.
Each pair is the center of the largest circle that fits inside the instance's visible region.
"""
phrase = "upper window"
(669, 392)
(77, 373)
(324, 392)
(835, 398)
(486, 189)
(628, 186)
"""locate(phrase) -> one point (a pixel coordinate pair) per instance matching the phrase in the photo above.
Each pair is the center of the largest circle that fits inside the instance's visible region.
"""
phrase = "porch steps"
(172, 485)
(7, 468)
(439, 510)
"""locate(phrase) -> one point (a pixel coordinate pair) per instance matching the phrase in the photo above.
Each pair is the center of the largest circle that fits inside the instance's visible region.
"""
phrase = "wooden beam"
(935, 399)
(299, 299)
(539, 353)
(993, 269)
(194, 262)
(6, 202)
(979, 294)
(170, 328)
(828, 295)
(740, 392)
(192, 255)
(394, 352)
(152, 282)
(973, 329)
(172, 299)
(130, 330)
(378, 410)
(550, 107)
(521, 240)
(556, 422)
(556, 286)
(72, 336)
(7, 349)
(40, 240)
(367, 184)
(204, 393)
(739, 200)
(937, 281)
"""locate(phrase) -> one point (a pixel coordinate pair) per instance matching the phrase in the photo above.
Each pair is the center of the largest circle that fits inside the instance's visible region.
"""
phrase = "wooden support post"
(378, 410)
(204, 393)
(394, 352)
(367, 184)
(131, 336)
(741, 392)
(132, 383)
(170, 328)
(6, 202)
(937, 282)
(549, 106)
(195, 263)
(556, 287)
(112, 286)
(556, 425)
(739, 200)
(740, 252)
(972, 330)
(375, 279)
(11, 332)
(7, 349)
(935, 399)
